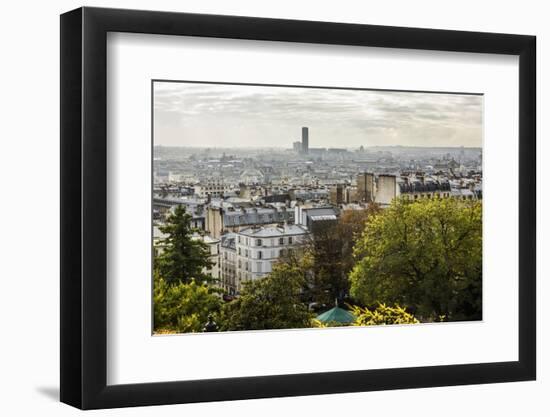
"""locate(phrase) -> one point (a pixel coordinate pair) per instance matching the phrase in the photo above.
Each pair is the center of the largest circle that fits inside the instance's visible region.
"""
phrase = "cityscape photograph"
(286, 207)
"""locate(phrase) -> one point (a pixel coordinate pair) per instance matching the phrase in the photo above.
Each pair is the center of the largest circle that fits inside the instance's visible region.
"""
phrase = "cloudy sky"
(210, 115)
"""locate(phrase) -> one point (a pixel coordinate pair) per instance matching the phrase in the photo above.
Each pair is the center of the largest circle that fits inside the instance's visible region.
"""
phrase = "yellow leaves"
(318, 324)
(382, 315)
(164, 330)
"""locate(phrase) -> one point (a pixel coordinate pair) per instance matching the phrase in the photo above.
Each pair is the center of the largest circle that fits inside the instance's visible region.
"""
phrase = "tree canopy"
(182, 308)
(424, 254)
(331, 247)
(182, 257)
(273, 302)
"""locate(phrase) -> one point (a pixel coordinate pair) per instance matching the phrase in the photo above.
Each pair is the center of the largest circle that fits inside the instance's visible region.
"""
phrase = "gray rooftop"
(256, 216)
(274, 231)
(228, 241)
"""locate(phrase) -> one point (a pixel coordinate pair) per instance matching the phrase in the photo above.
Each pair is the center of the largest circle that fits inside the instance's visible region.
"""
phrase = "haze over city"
(233, 116)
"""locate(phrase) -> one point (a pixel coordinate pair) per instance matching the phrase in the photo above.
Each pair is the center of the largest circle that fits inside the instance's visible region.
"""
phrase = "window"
(246, 253)
(239, 251)
(246, 266)
(290, 240)
(259, 254)
(239, 239)
(281, 241)
(258, 242)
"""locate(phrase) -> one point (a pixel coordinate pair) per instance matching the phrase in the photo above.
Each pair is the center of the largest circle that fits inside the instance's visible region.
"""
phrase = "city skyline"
(290, 207)
(243, 116)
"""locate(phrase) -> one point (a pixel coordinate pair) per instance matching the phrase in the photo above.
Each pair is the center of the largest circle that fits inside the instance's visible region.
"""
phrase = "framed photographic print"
(258, 207)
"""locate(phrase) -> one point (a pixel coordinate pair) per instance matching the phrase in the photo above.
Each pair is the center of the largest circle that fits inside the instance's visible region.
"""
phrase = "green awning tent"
(336, 315)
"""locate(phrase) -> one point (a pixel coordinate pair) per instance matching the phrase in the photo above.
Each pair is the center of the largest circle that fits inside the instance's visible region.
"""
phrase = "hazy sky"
(208, 115)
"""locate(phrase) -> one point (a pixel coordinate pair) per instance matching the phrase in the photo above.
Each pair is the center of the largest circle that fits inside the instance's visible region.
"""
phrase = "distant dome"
(249, 176)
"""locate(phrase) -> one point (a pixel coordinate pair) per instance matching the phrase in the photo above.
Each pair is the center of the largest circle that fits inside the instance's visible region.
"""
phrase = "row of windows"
(228, 280)
(248, 267)
(247, 276)
(259, 242)
(214, 187)
(437, 195)
(260, 254)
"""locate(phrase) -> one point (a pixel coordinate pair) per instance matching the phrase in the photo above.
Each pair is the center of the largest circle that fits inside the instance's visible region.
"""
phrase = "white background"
(29, 173)
(133, 60)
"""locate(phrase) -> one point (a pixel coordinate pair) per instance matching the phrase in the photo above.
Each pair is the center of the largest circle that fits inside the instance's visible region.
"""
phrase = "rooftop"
(228, 241)
(274, 231)
(260, 215)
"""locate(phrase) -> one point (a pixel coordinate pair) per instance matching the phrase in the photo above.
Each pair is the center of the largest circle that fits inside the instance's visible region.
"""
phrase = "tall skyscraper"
(305, 140)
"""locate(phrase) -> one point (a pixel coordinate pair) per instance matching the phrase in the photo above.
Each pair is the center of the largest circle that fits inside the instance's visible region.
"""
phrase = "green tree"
(426, 255)
(182, 258)
(182, 308)
(273, 302)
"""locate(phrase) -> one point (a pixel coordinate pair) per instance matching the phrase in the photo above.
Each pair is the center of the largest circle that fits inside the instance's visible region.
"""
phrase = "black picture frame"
(84, 207)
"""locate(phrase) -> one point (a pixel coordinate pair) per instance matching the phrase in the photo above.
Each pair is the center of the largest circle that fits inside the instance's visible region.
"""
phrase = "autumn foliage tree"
(424, 254)
(350, 228)
(331, 247)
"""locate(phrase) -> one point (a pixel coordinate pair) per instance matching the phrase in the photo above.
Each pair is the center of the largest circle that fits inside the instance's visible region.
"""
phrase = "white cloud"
(201, 114)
